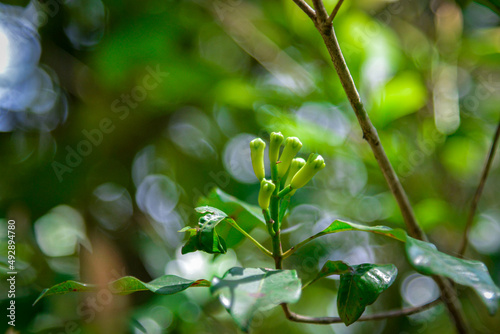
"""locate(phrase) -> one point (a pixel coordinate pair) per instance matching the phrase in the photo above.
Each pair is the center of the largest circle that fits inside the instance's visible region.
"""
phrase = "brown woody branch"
(479, 191)
(321, 14)
(335, 11)
(306, 9)
(325, 28)
(377, 316)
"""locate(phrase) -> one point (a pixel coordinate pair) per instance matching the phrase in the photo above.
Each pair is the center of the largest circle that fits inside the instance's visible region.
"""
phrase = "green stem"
(274, 205)
(300, 244)
(285, 192)
(308, 283)
(285, 202)
(275, 218)
(277, 252)
(269, 222)
(256, 243)
(274, 172)
(276, 237)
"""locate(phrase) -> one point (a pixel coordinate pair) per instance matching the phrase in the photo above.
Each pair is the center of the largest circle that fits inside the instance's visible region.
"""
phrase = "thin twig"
(448, 293)
(321, 13)
(293, 249)
(285, 192)
(335, 11)
(255, 242)
(370, 134)
(306, 9)
(479, 191)
(378, 316)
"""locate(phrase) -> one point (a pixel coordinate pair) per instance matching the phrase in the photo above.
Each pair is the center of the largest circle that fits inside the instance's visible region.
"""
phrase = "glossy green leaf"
(205, 237)
(163, 285)
(246, 291)
(341, 226)
(233, 207)
(361, 287)
(427, 260)
(211, 210)
(246, 216)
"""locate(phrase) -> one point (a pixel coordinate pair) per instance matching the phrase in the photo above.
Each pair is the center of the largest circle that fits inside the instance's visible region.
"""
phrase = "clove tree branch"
(306, 9)
(335, 11)
(321, 14)
(377, 316)
(325, 28)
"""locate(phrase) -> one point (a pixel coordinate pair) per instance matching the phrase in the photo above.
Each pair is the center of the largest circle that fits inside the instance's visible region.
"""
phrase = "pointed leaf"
(205, 237)
(341, 226)
(247, 216)
(209, 209)
(246, 291)
(163, 285)
(136, 324)
(66, 287)
(187, 229)
(332, 268)
(361, 287)
(427, 260)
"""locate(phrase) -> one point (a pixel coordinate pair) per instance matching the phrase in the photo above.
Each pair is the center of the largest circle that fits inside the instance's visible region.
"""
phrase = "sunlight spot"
(488, 295)
(418, 290)
(157, 196)
(419, 260)
(225, 301)
(4, 52)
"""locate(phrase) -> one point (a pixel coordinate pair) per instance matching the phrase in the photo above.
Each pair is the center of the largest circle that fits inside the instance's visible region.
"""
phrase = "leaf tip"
(42, 294)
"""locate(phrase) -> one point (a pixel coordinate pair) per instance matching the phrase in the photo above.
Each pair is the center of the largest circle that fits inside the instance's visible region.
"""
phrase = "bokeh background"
(116, 117)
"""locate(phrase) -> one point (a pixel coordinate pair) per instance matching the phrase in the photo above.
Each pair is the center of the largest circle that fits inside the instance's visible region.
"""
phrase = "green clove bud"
(295, 166)
(257, 147)
(274, 146)
(265, 193)
(292, 147)
(314, 164)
